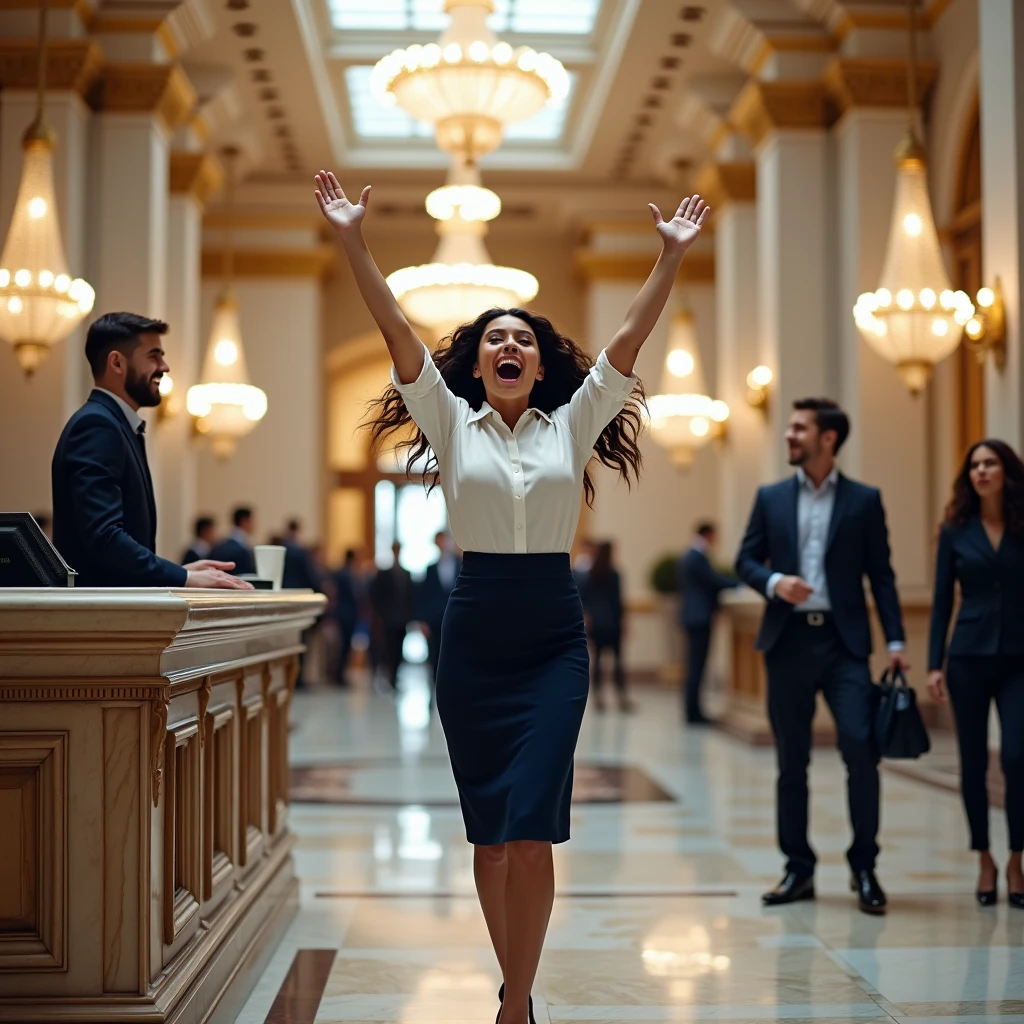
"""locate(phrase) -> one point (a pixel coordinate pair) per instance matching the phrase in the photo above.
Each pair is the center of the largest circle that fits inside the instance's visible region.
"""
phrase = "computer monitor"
(27, 558)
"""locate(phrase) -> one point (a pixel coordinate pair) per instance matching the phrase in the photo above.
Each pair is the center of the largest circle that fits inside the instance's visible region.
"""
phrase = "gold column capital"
(144, 88)
(317, 262)
(72, 65)
(727, 182)
(762, 107)
(596, 265)
(196, 174)
(874, 81)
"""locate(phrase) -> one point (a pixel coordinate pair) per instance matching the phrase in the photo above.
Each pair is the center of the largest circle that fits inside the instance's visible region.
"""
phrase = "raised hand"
(679, 233)
(344, 216)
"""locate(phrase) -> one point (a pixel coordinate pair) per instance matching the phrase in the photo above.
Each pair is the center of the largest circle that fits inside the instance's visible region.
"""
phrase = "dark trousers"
(805, 659)
(698, 643)
(393, 639)
(601, 642)
(974, 682)
(346, 630)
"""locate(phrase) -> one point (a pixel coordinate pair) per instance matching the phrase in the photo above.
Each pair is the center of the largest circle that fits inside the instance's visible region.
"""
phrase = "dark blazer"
(699, 587)
(299, 573)
(857, 546)
(346, 605)
(191, 555)
(432, 595)
(104, 512)
(602, 602)
(230, 550)
(392, 597)
(991, 616)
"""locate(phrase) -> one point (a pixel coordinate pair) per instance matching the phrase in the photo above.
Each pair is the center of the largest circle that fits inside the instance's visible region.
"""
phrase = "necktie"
(141, 435)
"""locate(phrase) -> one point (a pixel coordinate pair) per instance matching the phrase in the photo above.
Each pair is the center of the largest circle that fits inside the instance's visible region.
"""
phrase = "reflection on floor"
(657, 916)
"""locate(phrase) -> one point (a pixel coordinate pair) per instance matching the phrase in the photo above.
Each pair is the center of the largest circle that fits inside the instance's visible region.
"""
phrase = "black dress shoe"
(871, 896)
(1017, 900)
(988, 897)
(792, 888)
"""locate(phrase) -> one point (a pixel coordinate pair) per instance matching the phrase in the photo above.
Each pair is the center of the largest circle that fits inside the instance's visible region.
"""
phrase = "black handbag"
(899, 728)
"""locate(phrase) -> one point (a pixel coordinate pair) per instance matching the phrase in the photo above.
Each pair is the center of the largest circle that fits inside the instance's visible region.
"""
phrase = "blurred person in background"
(586, 548)
(432, 598)
(237, 547)
(981, 547)
(601, 594)
(203, 535)
(299, 570)
(392, 598)
(345, 612)
(700, 585)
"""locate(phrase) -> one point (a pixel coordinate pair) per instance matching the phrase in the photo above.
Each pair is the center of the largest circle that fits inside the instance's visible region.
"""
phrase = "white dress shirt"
(514, 491)
(131, 415)
(814, 508)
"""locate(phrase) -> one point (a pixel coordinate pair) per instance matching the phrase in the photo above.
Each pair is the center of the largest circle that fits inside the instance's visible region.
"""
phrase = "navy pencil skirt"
(512, 682)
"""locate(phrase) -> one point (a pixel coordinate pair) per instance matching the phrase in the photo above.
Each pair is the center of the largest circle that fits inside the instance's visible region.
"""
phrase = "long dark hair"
(965, 502)
(566, 366)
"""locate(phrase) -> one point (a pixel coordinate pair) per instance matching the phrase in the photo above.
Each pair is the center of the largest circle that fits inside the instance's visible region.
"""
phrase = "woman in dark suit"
(981, 546)
(601, 594)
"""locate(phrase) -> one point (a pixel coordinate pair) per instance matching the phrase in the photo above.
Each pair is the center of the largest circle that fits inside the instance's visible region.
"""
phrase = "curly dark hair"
(566, 366)
(965, 502)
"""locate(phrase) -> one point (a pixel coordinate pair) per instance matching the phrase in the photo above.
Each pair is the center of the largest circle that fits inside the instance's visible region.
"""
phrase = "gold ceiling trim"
(316, 262)
(143, 88)
(623, 266)
(875, 81)
(71, 64)
(727, 182)
(196, 174)
(762, 107)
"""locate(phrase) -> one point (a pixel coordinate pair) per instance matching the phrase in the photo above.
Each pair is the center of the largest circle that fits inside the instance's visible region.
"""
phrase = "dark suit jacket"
(392, 597)
(191, 555)
(231, 550)
(104, 512)
(345, 608)
(602, 602)
(299, 573)
(991, 616)
(432, 596)
(857, 546)
(699, 587)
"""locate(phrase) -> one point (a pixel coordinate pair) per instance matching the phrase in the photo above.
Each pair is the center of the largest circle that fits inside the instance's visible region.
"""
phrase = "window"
(536, 17)
(372, 121)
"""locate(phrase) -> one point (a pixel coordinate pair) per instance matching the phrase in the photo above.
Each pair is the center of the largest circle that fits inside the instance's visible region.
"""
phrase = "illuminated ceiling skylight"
(528, 17)
(372, 121)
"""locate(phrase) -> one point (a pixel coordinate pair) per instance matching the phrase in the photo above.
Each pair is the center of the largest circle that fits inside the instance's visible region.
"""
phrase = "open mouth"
(509, 369)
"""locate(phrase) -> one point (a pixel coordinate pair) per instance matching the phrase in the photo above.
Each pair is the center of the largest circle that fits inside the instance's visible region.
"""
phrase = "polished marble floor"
(657, 916)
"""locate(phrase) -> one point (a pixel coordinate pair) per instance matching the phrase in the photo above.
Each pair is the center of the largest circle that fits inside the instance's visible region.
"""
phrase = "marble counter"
(145, 858)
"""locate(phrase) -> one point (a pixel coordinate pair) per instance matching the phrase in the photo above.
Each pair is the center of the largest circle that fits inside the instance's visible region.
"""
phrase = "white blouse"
(514, 491)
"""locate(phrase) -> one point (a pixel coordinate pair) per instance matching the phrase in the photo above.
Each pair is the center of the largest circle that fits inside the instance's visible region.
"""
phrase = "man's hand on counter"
(210, 575)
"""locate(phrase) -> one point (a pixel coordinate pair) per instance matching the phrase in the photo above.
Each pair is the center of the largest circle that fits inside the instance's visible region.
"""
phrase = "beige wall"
(278, 467)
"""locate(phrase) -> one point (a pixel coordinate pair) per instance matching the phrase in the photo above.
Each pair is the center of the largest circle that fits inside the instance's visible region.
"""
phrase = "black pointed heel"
(501, 999)
(1017, 900)
(988, 897)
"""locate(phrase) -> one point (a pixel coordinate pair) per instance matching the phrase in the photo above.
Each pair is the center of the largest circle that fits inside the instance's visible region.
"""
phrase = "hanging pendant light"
(914, 318)
(40, 304)
(461, 281)
(683, 417)
(225, 405)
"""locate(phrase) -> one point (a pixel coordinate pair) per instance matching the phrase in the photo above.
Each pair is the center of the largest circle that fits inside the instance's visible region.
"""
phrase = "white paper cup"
(270, 563)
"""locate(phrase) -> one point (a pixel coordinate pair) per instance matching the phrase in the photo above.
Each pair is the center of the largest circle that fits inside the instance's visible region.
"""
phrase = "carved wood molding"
(721, 183)
(71, 64)
(157, 734)
(875, 81)
(762, 107)
(142, 88)
(52, 689)
(316, 261)
(196, 174)
(205, 689)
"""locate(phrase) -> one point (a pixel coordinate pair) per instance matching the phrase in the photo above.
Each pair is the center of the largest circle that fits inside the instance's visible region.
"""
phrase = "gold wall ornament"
(986, 330)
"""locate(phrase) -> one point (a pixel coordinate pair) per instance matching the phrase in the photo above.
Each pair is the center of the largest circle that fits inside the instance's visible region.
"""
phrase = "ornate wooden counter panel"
(145, 856)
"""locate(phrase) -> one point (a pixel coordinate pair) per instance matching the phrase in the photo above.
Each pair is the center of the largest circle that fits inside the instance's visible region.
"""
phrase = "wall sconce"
(759, 382)
(170, 404)
(986, 330)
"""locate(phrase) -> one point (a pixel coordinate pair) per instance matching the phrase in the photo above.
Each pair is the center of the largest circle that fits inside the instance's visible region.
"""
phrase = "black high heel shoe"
(501, 999)
(988, 897)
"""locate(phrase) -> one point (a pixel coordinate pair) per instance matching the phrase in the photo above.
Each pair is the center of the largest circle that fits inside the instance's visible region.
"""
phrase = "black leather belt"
(815, 619)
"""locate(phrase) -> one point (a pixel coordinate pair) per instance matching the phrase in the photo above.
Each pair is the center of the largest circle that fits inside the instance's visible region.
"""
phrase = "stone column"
(1002, 168)
(193, 178)
(730, 189)
(889, 445)
(33, 412)
(139, 105)
(785, 121)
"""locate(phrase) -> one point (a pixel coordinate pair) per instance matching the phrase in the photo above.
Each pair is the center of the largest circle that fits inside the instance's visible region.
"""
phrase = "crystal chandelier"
(468, 84)
(461, 281)
(225, 405)
(40, 304)
(682, 416)
(914, 318)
